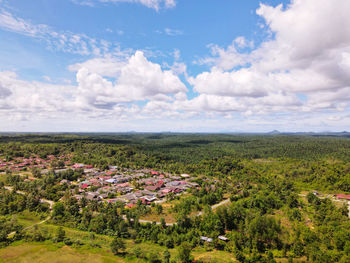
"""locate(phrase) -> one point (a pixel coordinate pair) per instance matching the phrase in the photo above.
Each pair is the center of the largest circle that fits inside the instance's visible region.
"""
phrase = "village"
(129, 186)
(113, 185)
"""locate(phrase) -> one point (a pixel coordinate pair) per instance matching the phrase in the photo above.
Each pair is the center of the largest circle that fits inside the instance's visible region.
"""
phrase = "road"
(51, 203)
(216, 206)
(198, 214)
(42, 200)
(332, 199)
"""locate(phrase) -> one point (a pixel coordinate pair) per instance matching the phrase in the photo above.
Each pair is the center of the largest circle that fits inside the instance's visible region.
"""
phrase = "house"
(103, 196)
(206, 239)
(185, 175)
(91, 196)
(114, 200)
(78, 165)
(166, 191)
(154, 173)
(148, 198)
(111, 181)
(78, 197)
(64, 181)
(152, 188)
(342, 196)
(223, 238)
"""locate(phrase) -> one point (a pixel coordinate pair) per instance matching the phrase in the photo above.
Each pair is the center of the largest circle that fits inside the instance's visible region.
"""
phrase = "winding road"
(51, 203)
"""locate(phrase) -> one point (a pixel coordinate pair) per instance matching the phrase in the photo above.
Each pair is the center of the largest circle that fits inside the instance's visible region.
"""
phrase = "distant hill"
(274, 132)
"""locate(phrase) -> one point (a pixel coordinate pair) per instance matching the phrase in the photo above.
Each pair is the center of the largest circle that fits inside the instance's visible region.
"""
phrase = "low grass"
(51, 252)
(27, 218)
(2, 178)
(212, 256)
(58, 252)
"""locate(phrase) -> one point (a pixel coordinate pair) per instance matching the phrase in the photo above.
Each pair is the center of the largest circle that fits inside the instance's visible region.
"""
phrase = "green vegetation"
(273, 214)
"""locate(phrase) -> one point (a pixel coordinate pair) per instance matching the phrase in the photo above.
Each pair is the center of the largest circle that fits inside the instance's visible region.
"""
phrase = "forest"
(281, 193)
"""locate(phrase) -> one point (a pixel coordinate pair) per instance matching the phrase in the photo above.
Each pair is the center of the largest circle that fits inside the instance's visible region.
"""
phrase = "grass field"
(57, 252)
(95, 248)
(50, 252)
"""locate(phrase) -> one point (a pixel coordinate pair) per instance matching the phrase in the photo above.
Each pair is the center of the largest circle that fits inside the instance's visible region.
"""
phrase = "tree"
(184, 253)
(117, 244)
(166, 256)
(58, 210)
(159, 209)
(60, 234)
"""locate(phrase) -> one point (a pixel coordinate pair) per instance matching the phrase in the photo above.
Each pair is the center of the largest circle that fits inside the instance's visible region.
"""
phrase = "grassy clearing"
(27, 218)
(213, 256)
(2, 178)
(58, 252)
(50, 252)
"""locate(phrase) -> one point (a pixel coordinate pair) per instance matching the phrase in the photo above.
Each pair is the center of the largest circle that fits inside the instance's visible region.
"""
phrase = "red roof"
(84, 186)
(342, 196)
(154, 172)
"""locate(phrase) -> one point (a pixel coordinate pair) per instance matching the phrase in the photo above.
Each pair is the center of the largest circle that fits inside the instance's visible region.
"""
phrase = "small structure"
(223, 238)
(342, 196)
(206, 239)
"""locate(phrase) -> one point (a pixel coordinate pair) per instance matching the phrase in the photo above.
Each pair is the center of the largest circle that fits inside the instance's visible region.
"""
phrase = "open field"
(58, 252)
(50, 252)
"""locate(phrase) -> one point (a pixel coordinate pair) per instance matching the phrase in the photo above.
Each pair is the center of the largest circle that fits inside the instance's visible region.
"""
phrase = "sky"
(174, 65)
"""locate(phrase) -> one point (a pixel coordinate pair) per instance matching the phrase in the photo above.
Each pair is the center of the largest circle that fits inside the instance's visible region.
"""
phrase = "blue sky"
(174, 65)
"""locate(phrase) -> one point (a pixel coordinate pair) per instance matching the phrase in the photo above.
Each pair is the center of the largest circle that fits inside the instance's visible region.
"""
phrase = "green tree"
(159, 209)
(166, 256)
(117, 244)
(58, 210)
(60, 234)
(184, 253)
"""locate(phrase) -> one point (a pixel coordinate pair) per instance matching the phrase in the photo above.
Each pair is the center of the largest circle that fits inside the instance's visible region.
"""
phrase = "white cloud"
(108, 66)
(298, 77)
(136, 80)
(154, 4)
(309, 55)
(229, 58)
(172, 32)
(65, 41)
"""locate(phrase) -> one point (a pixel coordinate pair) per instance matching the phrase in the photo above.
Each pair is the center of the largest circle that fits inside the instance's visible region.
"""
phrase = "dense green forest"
(273, 213)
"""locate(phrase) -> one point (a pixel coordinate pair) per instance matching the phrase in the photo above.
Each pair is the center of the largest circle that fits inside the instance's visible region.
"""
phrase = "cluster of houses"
(124, 185)
(21, 164)
(128, 186)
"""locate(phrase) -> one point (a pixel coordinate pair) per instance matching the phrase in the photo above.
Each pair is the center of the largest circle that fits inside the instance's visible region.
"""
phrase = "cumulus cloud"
(136, 80)
(301, 69)
(4, 92)
(309, 54)
(230, 57)
(26, 96)
(108, 66)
